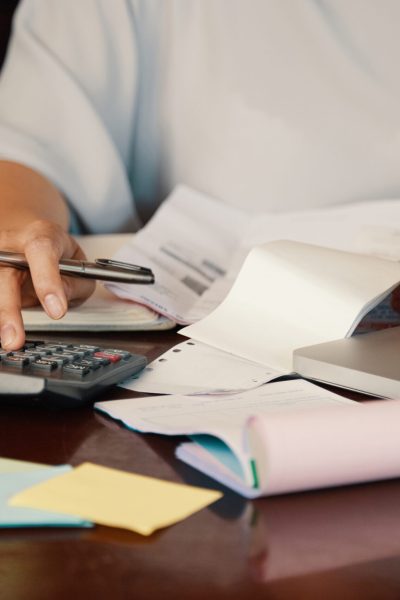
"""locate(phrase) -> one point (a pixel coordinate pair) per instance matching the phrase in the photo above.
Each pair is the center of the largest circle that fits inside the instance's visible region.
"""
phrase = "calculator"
(63, 374)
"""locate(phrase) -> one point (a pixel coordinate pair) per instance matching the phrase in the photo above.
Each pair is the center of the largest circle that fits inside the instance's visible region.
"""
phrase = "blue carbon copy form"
(12, 483)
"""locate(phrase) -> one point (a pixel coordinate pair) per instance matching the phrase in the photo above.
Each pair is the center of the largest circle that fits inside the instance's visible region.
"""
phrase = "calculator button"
(44, 364)
(24, 355)
(103, 362)
(76, 369)
(34, 354)
(111, 357)
(15, 361)
(62, 345)
(92, 364)
(88, 347)
(51, 348)
(60, 359)
(80, 352)
(123, 353)
(33, 343)
(72, 355)
(39, 351)
(4, 353)
(29, 345)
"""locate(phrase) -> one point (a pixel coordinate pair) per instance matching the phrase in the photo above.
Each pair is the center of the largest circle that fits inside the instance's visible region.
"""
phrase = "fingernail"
(53, 306)
(7, 335)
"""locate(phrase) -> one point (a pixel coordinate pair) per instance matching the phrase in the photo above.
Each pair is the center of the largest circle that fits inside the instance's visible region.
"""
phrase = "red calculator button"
(111, 357)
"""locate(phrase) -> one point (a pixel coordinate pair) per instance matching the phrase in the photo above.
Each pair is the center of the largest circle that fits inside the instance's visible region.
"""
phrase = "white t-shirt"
(270, 105)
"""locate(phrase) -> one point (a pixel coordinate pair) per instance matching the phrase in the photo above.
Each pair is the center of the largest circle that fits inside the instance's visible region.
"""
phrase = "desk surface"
(341, 543)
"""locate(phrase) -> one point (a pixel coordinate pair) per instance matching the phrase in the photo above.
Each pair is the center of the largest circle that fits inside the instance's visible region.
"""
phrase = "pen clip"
(110, 263)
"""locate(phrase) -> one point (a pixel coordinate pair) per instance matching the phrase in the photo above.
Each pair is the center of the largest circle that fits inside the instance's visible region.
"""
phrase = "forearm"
(34, 221)
(27, 196)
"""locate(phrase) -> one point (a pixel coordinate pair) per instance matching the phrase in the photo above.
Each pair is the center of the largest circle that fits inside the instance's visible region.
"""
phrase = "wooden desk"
(342, 543)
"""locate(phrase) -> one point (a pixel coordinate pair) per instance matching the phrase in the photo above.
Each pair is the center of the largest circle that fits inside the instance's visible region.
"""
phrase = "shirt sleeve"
(67, 103)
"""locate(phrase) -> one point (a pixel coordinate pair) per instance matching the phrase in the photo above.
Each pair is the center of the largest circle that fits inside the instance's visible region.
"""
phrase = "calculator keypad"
(71, 374)
(77, 360)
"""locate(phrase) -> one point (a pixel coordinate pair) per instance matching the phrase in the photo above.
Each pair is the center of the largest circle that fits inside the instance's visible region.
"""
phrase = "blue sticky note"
(15, 516)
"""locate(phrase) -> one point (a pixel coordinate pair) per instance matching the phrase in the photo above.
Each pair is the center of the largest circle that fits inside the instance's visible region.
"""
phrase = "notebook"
(103, 311)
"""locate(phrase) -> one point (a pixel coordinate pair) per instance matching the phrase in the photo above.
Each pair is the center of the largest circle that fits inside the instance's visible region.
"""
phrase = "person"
(270, 105)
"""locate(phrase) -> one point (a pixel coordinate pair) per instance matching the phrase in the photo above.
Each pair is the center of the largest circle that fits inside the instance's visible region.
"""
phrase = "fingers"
(43, 244)
(78, 290)
(12, 333)
(43, 252)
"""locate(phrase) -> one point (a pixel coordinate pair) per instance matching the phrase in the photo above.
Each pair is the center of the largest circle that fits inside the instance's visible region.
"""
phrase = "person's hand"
(43, 244)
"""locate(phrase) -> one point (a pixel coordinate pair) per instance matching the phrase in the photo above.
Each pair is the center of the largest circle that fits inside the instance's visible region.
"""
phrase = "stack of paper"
(216, 424)
(101, 312)
(299, 436)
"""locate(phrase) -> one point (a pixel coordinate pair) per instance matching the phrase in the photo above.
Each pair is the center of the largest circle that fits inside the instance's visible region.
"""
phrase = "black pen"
(104, 269)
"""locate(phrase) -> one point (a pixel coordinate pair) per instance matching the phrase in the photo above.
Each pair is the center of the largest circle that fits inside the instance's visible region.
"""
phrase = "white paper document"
(195, 368)
(289, 295)
(188, 244)
(196, 246)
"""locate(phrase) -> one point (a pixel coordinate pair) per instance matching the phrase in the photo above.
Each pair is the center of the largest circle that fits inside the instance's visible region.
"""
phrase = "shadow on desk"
(322, 531)
(293, 536)
(296, 535)
(326, 530)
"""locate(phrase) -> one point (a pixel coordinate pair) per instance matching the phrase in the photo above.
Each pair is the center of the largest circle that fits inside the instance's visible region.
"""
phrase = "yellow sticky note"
(117, 498)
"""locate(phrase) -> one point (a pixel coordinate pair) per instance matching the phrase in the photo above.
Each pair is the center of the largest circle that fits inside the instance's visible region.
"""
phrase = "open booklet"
(216, 423)
(282, 437)
(305, 449)
(290, 294)
(103, 311)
